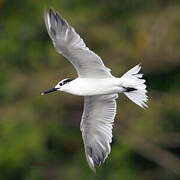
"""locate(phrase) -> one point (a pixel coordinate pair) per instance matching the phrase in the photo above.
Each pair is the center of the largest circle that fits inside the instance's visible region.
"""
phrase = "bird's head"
(59, 86)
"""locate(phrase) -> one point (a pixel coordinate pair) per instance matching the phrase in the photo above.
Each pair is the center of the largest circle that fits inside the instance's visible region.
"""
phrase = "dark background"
(39, 135)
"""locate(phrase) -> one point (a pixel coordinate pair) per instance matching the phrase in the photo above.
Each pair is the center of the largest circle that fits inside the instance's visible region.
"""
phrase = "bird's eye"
(60, 84)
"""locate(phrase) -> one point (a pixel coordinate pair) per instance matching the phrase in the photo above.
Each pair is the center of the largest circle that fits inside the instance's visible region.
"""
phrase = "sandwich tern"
(95, 82)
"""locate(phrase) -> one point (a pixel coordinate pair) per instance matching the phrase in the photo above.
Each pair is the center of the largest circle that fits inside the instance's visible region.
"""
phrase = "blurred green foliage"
(40, 137)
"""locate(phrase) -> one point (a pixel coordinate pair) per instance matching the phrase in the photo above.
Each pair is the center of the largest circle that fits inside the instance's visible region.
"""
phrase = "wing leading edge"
(68, 43)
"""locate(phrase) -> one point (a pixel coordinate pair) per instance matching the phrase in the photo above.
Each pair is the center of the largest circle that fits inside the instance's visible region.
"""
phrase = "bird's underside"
(99, 110)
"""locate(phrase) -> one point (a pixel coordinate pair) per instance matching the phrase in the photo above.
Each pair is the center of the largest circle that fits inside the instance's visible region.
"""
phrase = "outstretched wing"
(96, 126)
(68, 43)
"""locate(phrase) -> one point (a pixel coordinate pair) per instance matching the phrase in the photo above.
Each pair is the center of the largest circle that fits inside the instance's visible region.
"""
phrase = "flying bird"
(96, 83)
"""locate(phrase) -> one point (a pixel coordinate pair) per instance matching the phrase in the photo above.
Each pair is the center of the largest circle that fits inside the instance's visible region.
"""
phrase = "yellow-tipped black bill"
(49, 91)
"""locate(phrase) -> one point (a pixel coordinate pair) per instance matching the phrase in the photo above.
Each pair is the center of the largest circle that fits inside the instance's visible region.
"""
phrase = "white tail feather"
(134, 86)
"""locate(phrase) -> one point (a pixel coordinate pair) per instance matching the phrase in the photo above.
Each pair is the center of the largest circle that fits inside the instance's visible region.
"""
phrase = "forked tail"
(134, 86)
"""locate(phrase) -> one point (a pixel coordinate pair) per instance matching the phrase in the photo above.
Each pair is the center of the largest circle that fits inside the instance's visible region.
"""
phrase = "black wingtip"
(51, 11)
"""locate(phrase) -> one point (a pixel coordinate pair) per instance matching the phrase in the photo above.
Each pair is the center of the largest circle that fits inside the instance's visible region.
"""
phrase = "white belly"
(90, 87)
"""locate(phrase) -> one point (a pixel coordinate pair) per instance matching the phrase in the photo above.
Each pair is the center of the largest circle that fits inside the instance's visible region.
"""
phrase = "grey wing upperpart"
(96, 126)
(68, 43)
